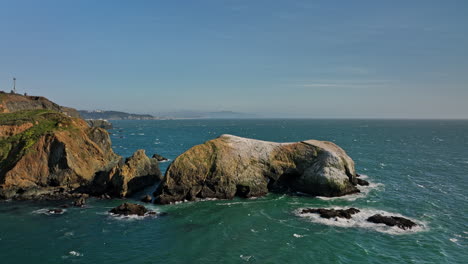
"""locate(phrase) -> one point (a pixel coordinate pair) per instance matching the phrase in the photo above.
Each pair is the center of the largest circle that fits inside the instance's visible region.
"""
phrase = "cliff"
(48, 154)
(233, 166)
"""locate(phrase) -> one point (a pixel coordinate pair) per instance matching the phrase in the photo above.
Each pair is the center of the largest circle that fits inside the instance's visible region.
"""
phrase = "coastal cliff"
(232, 166)
(48, 154)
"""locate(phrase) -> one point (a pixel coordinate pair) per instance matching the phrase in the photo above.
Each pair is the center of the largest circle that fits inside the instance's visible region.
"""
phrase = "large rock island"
(46, 153)
(232, 166)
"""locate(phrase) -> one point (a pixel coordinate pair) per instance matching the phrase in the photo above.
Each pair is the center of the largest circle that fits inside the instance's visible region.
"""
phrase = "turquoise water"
(418, 169)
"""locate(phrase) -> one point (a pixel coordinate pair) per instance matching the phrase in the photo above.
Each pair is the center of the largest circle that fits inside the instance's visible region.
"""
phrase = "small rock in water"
(362, 182)
(401, 222)
(80, 202)
(55, 211)
(331, 213)
(159, 157)
(146, 199)
(129, 209)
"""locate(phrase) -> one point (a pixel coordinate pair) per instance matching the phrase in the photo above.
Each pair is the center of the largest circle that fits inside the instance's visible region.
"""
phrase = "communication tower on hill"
(14, 85)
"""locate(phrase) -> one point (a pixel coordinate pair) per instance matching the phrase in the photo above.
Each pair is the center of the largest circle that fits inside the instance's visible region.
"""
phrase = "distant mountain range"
(117, 115)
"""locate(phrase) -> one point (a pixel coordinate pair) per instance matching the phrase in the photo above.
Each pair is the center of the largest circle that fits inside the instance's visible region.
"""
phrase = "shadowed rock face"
(233, 166)
(46, 154)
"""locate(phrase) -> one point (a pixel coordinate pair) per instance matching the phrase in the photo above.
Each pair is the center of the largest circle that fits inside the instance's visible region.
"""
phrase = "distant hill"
(116, 115)
(113, 115)
(13, 102)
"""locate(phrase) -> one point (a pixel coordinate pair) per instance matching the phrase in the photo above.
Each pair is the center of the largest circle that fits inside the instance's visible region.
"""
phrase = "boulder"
(331, 213)
(129, 209)
(234, 166)
(400, 222)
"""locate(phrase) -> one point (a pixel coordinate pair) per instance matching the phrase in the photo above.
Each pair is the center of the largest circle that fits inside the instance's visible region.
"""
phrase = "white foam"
(132, 217)
(360, 220)
(297, 235)
(245, 258)
(364, 191)
(75, 253)
(48, 211)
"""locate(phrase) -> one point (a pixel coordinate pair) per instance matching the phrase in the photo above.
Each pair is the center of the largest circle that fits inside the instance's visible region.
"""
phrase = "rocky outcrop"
(233, 166)
(136, 172)
(99, 123)
(46, 154)
(129, 209)
(331, 213)
(10, 103)
(400, 222)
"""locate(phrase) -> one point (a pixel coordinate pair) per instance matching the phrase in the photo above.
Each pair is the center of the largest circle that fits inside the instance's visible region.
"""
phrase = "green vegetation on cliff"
(43, 122)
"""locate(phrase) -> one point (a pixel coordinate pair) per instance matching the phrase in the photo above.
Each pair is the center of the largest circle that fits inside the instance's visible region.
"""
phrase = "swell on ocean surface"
(359, 220)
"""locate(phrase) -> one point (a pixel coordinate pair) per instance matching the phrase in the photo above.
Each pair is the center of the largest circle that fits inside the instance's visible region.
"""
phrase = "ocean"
(417, 169)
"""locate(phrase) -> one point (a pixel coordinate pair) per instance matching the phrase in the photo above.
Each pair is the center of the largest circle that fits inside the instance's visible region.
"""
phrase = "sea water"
(417, 169)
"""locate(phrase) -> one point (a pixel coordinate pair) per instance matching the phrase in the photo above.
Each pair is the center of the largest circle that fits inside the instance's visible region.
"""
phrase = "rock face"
(47, 154)
(10, 103)
(401, 222)
(99, 123)
(331, 213)
(135, 172)
(233, 166)
(129, 209)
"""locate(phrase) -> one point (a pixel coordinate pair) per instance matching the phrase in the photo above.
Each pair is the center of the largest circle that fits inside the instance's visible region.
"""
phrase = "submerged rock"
(129, 209)
(331, 213)
(401, 222)
(233, 166)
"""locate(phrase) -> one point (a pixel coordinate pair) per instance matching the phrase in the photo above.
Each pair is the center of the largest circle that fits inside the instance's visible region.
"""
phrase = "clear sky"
(319, 59)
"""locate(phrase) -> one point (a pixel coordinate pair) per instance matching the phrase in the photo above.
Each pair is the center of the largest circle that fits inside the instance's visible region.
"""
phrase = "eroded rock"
(400, 222)
(233, 166)
(331, 213)
(129, 209)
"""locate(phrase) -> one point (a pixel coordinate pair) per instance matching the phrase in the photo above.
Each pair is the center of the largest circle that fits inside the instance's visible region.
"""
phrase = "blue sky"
(319, 59)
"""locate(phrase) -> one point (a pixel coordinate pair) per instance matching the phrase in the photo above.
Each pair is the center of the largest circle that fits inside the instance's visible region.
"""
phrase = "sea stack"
(231, 166)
